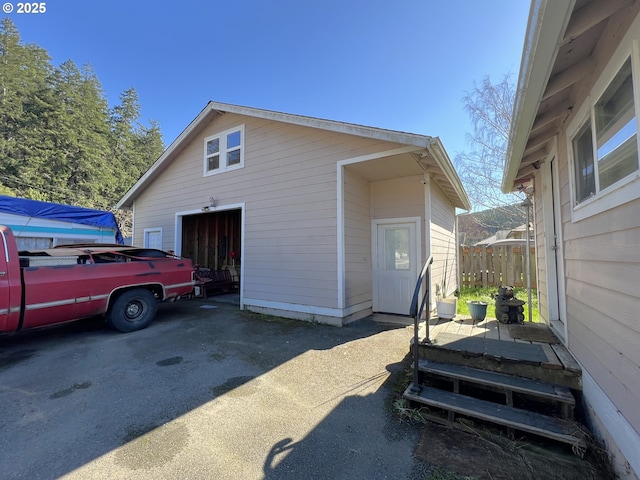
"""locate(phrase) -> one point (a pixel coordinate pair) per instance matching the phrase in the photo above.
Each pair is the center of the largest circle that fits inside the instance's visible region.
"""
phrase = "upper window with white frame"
(604, 147)
(224, 151)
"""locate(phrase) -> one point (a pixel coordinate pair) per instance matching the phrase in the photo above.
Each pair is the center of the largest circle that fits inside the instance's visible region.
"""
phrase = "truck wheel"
(132, 310)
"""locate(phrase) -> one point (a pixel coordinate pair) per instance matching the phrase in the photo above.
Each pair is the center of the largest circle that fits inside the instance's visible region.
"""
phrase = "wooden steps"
(508, 384)
(477, 369)
(543, 362)
(561, 430)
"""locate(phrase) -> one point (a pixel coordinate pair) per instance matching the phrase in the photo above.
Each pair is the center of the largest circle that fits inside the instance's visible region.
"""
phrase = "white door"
(395, 269)
(553, 242)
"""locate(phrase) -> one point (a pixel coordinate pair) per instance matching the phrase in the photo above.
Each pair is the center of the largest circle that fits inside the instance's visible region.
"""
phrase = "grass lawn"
(484, 295)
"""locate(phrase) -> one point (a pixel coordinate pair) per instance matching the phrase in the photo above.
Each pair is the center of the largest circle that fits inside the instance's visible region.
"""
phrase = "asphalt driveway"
(206, 392)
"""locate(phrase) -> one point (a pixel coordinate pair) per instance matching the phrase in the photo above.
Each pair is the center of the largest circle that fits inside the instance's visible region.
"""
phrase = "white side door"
(554, 253)
(395, 267)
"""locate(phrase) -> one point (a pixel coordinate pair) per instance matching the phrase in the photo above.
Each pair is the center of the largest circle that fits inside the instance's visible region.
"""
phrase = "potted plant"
(446, 306)
(477, 309)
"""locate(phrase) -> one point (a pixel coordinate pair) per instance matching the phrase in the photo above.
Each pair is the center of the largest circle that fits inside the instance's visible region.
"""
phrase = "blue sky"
(403, 65)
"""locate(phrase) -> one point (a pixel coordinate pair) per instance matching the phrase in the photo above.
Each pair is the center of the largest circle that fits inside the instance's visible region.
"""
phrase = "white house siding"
(443, 241)
(357, 241)
(288, 188)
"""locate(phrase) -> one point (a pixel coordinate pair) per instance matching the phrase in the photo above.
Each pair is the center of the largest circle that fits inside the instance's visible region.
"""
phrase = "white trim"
(552, 222)
(338, 313)
(133, 223)
(439, 154)
(562, 277)
(233, 206)
(375, 156)
(427, 235)
(628, 188)
(331, 125)
(624, 435)
(340, 210)
(427, 215)
(223, 150)
(294, 307)
(342, 263)
(548, 20)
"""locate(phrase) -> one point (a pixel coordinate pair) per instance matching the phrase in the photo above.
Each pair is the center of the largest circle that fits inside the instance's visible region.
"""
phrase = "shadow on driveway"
(206, 391)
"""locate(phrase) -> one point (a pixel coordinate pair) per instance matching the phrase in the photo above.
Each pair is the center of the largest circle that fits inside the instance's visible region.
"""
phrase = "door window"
(396, 249)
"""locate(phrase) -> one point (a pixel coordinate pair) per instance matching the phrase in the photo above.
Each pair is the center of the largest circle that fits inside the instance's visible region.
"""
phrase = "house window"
(616, 127)
(604, 148)
(584, 169)
(224, 151)
(153, 238)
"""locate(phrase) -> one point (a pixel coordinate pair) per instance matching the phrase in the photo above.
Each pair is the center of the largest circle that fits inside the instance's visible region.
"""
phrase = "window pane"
(616, 129)
(620, 162)
(213, 163)
(583, 164)
(233, 140)
(233, 158)
(396, 249)
(213, 146)
(154, 240)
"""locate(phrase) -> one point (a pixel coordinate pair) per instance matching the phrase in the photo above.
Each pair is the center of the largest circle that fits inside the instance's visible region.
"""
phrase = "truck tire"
(132, 310)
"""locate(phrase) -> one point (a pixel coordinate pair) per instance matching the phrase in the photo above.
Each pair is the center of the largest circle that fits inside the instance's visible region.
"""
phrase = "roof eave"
(548, 20)
(444, 162)
(404, 138)
(126, 202)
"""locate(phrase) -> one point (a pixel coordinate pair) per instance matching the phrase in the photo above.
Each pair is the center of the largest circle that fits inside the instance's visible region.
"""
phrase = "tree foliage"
(476, 226)
(490, 108)
(59, 140)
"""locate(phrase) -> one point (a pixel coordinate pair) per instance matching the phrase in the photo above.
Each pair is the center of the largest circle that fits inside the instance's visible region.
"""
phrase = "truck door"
(9, 286)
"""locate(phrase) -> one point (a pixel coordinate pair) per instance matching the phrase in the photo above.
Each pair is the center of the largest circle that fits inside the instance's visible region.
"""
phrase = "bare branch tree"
(490, 107)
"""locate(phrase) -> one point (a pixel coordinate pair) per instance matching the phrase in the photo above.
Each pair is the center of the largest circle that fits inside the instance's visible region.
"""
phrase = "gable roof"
(213, 110)
(558, 54)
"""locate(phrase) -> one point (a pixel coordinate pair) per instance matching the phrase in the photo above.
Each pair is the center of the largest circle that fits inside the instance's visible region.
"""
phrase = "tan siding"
(602, 265)
(288, 185)
(443, 241)
(357, 229)
(604, 361)
(403, 197)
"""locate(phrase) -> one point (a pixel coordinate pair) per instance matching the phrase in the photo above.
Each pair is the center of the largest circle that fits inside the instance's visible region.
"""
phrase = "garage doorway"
(213, 239)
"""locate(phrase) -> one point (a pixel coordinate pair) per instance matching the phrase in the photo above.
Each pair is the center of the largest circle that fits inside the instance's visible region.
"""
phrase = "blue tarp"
(62, 213)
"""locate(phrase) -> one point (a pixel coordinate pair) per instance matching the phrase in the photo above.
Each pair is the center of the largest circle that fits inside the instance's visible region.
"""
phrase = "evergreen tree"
(134, 146)
(59, 141)
(25, 106)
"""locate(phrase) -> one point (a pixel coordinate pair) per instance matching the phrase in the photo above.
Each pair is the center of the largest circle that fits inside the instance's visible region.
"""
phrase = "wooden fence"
(495, 266)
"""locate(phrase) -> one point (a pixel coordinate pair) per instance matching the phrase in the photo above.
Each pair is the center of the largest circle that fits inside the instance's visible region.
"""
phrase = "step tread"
(536, 423)
(501, 380)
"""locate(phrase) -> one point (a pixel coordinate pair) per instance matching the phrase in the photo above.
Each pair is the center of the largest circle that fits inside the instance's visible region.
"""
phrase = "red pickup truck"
(46, 287)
